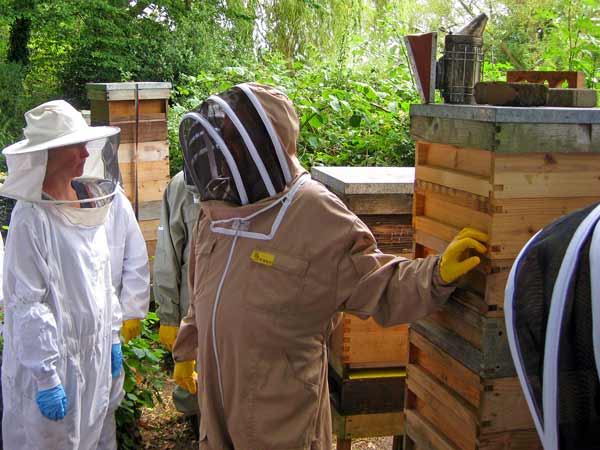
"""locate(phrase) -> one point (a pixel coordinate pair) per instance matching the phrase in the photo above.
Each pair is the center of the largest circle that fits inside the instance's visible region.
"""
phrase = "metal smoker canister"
(460, 68)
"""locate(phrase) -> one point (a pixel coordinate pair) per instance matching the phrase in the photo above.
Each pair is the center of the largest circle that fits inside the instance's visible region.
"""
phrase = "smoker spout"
(475, 27)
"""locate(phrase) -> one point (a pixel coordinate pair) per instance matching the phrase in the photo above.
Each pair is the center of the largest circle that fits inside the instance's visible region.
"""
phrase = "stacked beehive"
(508, 172)
(140, 111)
(367, 362)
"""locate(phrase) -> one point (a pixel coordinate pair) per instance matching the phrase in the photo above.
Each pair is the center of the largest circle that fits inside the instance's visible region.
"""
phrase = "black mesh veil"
(205, 164)
(577, 383)
(228, 152)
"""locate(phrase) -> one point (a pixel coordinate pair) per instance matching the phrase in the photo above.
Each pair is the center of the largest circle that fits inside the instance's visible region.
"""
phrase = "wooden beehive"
(508, 172)
(382, 198)
(140, 110)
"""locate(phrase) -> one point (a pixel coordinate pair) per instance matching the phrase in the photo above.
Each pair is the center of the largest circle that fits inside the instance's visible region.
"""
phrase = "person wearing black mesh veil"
(552, 306)
(275, 256)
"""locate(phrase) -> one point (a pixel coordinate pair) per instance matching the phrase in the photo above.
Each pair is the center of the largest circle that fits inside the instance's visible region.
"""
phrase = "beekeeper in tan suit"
(274, 256)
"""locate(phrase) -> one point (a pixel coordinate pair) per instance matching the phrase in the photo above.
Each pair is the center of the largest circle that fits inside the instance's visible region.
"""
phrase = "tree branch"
(467, 8)
(515, 62)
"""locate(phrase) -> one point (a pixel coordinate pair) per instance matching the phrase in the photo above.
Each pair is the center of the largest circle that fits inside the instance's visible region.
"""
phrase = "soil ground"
(163, 428)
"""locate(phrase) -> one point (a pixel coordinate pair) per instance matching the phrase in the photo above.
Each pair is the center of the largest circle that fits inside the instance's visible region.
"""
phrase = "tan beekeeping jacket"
(266, 339)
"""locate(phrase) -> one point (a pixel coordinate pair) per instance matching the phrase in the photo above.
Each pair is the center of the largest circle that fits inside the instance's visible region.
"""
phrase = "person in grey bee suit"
(62, 348)
(179, 213)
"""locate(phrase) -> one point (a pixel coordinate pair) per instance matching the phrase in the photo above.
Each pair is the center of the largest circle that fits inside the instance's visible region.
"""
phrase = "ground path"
(164, 429)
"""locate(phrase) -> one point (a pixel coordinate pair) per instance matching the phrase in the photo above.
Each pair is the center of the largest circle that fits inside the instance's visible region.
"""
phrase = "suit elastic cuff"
(133, 317)
(437, 277)
(116, 338)
(48, 382)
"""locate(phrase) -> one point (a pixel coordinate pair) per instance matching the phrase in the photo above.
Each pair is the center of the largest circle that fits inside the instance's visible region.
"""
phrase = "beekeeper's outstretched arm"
(398, 290)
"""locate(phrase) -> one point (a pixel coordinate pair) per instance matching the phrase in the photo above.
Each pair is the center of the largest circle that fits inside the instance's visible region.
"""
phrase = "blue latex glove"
(116, 360)
(53, 403)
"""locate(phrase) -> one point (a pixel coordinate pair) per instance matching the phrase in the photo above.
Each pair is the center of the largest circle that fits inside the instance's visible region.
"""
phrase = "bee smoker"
(457, 71)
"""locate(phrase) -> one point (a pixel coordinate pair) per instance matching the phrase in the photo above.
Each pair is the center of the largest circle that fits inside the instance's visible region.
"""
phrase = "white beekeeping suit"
(128, 259)
(62, 317)
(130, 274)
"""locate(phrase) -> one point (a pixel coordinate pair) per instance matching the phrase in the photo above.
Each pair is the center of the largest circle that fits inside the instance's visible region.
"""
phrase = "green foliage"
(540, 35)
(11, 104)
(349, 117)
(142, 358)
(572, 37)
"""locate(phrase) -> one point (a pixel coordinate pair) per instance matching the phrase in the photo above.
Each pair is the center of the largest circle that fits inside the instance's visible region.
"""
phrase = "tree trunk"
(18, 52)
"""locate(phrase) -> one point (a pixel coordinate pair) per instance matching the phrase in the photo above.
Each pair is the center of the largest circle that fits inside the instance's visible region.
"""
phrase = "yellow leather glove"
(167, 335)
(131, 328)
(185, 375)
(455, 262)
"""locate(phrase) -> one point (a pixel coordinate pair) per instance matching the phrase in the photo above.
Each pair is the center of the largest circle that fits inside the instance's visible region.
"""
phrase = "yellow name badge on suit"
(268, 259)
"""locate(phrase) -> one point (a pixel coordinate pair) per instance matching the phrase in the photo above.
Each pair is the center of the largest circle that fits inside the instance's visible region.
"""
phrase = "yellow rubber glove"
(185, 375)
(455, 261)
(131, 328)
(167, 335)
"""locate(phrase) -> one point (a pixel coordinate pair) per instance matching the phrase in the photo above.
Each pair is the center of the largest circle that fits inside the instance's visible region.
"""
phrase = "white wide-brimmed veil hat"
(56, 124)
(52, 125)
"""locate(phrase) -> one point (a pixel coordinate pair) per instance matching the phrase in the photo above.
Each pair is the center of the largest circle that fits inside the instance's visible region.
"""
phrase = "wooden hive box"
(347, 428)
(508, 172)
(450, 407)
(382, 198)
(140, 110)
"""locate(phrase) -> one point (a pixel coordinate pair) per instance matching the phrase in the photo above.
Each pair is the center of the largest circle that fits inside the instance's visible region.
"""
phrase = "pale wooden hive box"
(382, 198)
(144, 123)
(509, 172)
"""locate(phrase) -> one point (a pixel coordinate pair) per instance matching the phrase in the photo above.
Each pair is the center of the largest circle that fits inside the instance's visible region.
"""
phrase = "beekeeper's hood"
(53, 125)
(240, 146)
(552, 308)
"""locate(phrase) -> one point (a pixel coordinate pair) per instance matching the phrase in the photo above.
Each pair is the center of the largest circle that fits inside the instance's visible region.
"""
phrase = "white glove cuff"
(48, 382)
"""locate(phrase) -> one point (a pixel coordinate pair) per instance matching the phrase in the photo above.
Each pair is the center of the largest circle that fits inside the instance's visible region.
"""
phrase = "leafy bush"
(144, 378)
(12, 101)
(347, 117)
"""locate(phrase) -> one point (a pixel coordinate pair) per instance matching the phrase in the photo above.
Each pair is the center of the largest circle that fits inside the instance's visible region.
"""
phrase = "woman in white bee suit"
(62, 317)
(274, 257)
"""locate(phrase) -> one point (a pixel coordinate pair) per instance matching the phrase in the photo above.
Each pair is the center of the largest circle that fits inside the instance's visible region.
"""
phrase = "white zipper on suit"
(237, 230)
(214, 318)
